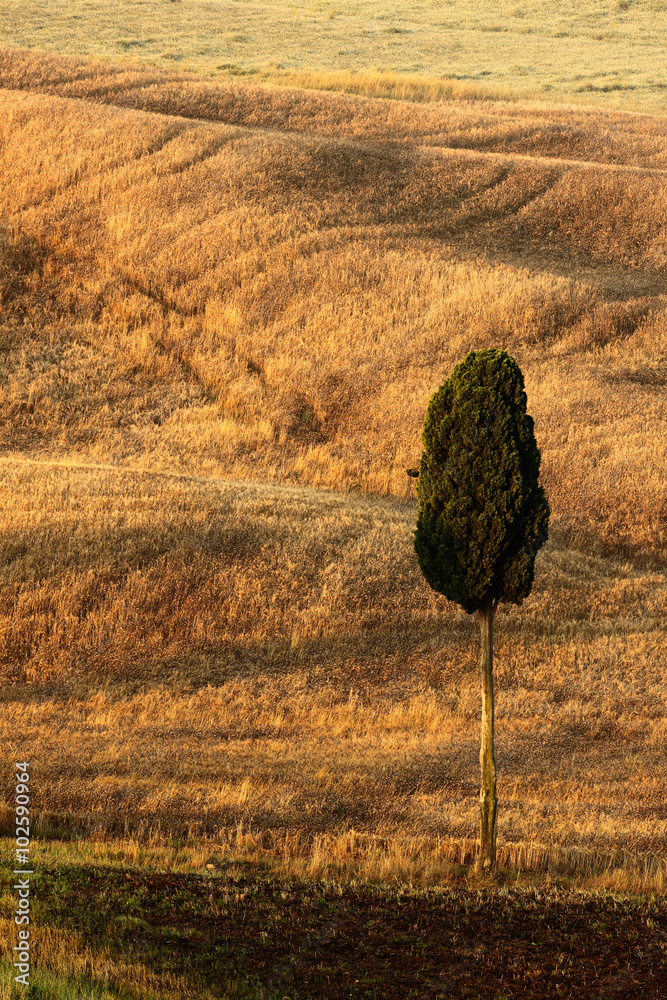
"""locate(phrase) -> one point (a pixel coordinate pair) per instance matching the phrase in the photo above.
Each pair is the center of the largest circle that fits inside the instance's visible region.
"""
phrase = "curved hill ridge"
(517, 204)
(624, 138)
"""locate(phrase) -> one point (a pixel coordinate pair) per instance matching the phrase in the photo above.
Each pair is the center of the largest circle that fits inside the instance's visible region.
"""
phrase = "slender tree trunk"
(488, 803)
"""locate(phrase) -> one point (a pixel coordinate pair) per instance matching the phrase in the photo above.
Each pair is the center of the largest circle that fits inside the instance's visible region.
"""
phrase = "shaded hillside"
(273, 655)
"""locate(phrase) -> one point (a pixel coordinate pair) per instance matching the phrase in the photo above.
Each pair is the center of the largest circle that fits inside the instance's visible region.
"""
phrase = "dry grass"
(68, 969)
(239, 323)
(273, 655)
(611, 53)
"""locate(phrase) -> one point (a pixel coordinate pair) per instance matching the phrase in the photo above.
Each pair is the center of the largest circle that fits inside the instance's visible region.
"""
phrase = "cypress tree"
(482, 516)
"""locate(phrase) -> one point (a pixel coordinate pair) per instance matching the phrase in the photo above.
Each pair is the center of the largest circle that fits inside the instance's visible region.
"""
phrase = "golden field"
(610, 52)
(225, 307)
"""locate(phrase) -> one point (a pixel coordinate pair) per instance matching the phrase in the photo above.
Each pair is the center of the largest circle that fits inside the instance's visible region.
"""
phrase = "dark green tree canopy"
(482, 515)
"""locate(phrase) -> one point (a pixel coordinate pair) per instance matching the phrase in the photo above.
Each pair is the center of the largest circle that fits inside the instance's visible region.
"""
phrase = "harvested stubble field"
(224, 309)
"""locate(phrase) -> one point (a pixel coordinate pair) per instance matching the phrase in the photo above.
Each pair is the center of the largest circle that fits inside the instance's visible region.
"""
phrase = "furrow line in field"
(239, 483)
(550, 161)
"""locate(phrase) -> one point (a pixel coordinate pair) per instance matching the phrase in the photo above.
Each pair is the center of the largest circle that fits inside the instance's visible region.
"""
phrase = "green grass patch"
(46, 985)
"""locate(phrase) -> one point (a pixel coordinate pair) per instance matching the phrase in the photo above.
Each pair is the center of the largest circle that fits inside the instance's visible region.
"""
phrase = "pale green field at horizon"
(611, 54)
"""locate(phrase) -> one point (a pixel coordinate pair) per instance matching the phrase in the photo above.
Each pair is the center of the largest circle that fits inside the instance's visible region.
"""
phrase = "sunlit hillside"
(612, 53)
